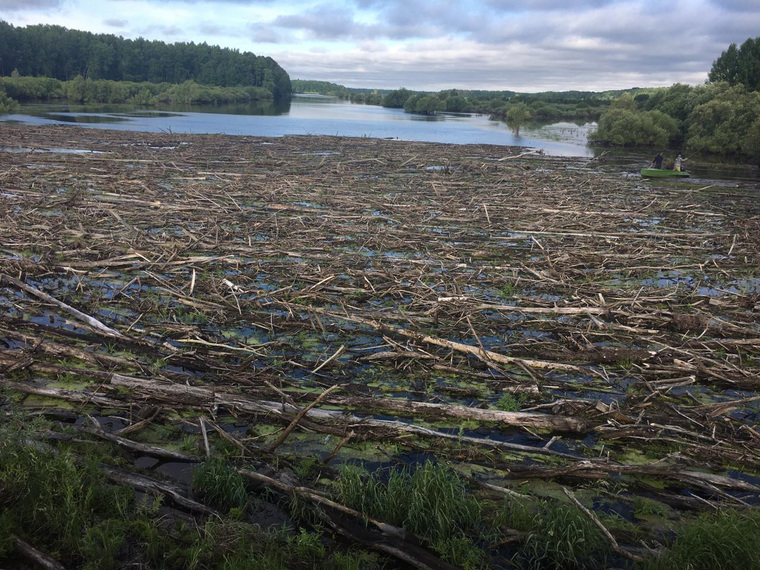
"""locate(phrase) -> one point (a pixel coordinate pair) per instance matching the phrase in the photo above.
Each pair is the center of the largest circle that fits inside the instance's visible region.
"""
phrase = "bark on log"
(207, 397)
(93, 322)
(39, 558)
(386, 538)
(519, 419)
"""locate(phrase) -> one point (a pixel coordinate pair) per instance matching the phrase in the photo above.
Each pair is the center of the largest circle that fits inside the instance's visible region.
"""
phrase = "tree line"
(80, 90)
(59, 53)
(721, 117)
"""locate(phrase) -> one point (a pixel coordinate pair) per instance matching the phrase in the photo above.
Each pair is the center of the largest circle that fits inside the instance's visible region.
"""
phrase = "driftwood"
(35, 556)
(457, 346)
(141, 448)
(388, 539)
(208, 398)
(224, 270)
(148, 485)
(519, 419)
(613, 542)
(93, 322)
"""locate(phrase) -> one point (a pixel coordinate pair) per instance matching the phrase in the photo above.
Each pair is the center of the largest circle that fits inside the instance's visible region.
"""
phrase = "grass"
(219, 485)
(51, 497)
(510, 403)
(715, 541)
(60, 502)
(431, 502)
(563, 538)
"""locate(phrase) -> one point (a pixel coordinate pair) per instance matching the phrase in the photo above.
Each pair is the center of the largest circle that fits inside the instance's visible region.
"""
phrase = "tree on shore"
(739, 65)
(517, 115)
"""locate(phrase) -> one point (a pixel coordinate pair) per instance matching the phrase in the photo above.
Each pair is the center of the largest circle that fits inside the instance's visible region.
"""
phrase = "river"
(314, 115)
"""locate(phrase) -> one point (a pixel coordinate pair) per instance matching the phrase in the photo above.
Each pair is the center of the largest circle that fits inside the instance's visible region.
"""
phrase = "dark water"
(314, 115)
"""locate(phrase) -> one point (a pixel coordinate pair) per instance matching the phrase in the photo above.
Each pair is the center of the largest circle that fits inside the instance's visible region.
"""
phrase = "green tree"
(7, 105)
(739, 65)
(59, 53)
(625, 101)
(624, 127)
(397, 99)
(456, 104)
(726, 124)
(517, 115)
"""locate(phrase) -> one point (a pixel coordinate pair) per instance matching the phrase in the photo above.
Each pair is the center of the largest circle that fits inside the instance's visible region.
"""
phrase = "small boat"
(663, 173)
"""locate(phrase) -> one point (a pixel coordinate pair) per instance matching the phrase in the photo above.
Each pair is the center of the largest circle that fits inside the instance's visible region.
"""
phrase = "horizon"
(490, 45)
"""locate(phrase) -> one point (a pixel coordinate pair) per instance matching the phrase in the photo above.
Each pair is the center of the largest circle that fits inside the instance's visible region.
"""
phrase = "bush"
(7, 105)
(624, 127)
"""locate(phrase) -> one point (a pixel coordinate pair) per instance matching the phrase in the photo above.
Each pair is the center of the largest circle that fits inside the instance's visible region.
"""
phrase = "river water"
(314, 115)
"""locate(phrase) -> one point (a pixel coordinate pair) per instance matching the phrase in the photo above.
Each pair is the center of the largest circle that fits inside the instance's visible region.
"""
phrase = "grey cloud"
(322, 23)
(546, 5)
(736, 5)
(21, 5)
(113, 23)
(264, 33)
(241, 2)
(163, 31)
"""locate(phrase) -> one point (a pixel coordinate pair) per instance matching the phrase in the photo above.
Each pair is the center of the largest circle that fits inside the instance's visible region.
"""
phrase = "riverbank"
(509, 326)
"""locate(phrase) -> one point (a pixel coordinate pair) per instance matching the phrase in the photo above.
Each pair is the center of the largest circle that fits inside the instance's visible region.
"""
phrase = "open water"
(314, 115)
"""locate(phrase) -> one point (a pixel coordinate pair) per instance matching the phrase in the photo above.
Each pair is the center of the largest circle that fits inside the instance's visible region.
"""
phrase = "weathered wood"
(444, 343)
(613, 542)
(300, 415)
(518, 419)
(148, 485)
(392, 539)
(93, 322)
(206, 397)
(35, 556)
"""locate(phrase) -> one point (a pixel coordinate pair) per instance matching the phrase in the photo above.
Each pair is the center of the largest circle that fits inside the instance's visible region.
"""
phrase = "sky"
(524, 46)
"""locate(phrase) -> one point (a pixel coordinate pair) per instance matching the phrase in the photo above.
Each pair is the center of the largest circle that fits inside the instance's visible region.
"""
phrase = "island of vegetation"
(46, 62)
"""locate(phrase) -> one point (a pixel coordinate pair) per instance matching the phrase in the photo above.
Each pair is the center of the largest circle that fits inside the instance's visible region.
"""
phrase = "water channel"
(314, 115)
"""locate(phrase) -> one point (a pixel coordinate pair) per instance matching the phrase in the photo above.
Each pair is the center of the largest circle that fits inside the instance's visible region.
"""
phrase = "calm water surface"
(314, 115)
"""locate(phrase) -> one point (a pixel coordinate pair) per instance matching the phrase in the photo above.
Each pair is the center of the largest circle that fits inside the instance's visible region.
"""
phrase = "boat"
(663, 173)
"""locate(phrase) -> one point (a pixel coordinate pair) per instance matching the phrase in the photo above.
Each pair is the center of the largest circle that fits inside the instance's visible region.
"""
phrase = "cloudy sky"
(529, 45)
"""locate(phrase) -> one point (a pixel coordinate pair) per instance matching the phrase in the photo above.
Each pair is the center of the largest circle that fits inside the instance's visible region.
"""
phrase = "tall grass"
(219, 485)
(562, 538)
(715, 541)
(431, 502)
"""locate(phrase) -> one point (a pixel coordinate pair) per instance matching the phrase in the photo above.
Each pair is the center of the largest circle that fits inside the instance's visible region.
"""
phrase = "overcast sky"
(531, 45)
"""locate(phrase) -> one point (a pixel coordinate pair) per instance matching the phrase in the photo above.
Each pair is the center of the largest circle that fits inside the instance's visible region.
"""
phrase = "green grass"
(219, 485)
(431, 502)
(510, 403)
(716, 541)
(563, 539)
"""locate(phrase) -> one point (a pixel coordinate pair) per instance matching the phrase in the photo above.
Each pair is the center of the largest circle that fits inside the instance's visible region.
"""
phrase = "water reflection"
(313, 115)
(83, 118)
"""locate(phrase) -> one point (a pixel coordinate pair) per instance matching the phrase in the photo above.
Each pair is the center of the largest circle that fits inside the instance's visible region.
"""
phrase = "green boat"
(663, 173)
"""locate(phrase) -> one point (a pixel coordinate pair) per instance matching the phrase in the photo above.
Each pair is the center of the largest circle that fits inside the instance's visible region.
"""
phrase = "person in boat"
(678, 164)
(657, 161)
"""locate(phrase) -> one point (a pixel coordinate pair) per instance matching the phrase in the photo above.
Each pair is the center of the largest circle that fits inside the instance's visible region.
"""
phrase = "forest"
(58, 53)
